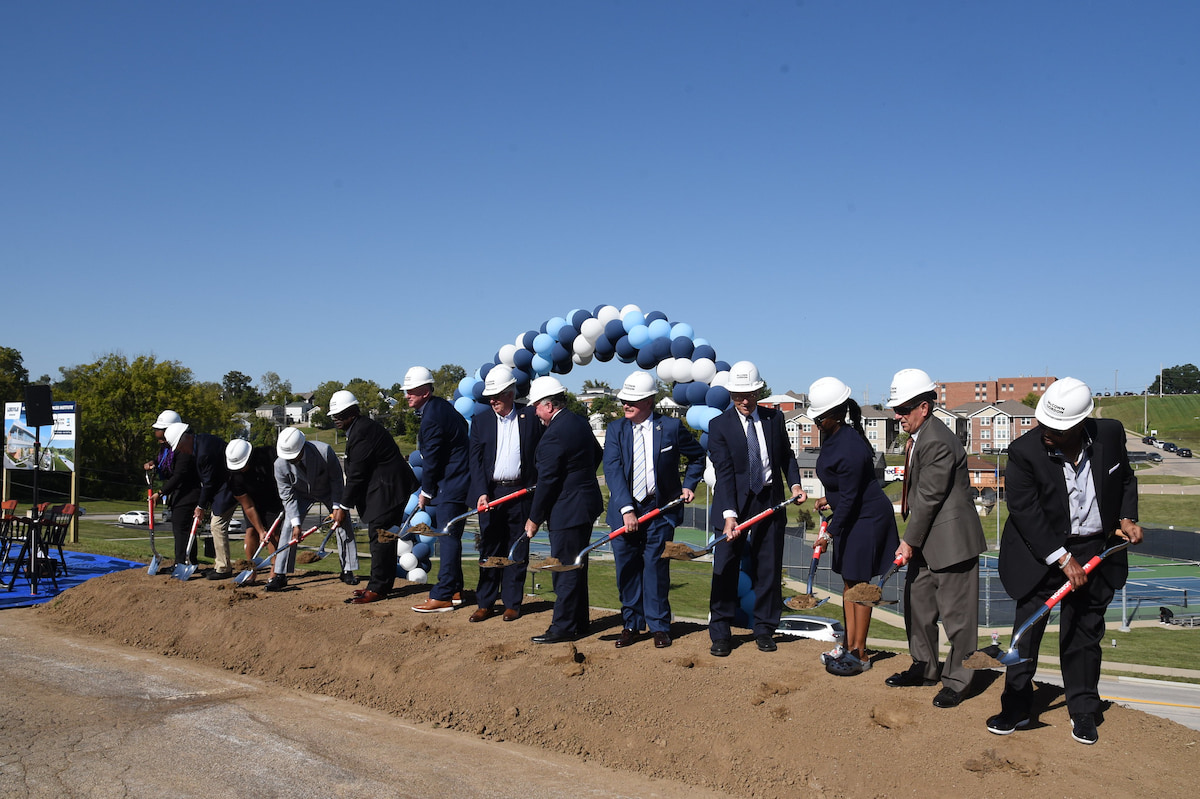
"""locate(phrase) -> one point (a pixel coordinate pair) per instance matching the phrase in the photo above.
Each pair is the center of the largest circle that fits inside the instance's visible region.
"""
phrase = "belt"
(651, 501)
(507, 483)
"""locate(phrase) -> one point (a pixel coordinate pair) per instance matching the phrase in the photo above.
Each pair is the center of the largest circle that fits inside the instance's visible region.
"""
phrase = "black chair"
(8, 530)
(54, 532)
(25, 531)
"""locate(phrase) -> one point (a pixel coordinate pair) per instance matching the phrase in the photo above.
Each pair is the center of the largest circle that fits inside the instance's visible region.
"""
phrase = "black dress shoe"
(277, 582)
(627, 637)
(765, 643)
(350, 578)
(551, 638)
(947, 697)
(721, 648)
(662, 640)
(218, 575)
(913, 677)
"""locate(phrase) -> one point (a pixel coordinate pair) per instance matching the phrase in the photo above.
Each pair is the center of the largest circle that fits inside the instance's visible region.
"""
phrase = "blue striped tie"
(639, 464)
(754, 453)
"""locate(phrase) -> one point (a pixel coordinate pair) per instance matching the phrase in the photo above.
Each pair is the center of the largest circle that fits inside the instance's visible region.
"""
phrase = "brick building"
(954, 395)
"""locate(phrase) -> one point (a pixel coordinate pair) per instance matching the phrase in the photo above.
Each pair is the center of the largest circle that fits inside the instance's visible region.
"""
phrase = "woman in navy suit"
(863, 525)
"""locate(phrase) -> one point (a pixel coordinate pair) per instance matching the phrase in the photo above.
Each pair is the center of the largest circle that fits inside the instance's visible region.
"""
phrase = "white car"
(134, 517)
(816, 627)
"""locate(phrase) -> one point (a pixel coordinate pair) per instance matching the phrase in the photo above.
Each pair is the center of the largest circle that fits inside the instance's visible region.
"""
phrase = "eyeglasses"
(905, 410)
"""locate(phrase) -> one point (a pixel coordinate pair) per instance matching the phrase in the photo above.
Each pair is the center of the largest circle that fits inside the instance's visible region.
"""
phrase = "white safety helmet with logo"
(638, 386)
(499, 379)
(1066, 403)
(237, 454)
(165, 420)
(416, 377)
(907, 384)
(290, 442)
(340, 401)
(743, 378)
(544, 387)
(826, 394)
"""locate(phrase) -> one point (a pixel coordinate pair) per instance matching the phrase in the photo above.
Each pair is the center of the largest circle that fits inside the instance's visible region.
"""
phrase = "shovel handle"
(753, 520)
(486, 507)
(643, 518)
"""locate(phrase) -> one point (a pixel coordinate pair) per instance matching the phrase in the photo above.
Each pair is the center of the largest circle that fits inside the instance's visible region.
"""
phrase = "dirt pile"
(752, 724)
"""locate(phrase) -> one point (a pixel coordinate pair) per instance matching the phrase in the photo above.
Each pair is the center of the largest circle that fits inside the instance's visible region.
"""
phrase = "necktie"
(755, 456)
(639, 464)
(908, 445)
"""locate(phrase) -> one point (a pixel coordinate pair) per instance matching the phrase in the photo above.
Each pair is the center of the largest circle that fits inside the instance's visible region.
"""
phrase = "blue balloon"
(679, 393)
(704, 351)
(418, 471)
(487, 367)
(412, 504)
(639, 336)
(421, 517)
(541, 365)
(527, 339)
(656, 315)
(465, 406)
(660, 348)
(625, 349)
(542, 328)
(477, 391)
(614, 330)
(631, 320)
(723, 366)
(567, 335)
(745, 586)
(682, 330)
(604, 348)
(425, 539)
(717, 397)
(415, 459)
(421, 550)
(579, 317)
(704, 441)
(522, 376)
(466, 385)
(562, 367)
(697, 393)
(699, 416)
(522, 359)
(543, 344)
(598, 308)
(554, 325)
(455, 395)
(700, 342)
(682, 347)
(645, 358)
(559, 353)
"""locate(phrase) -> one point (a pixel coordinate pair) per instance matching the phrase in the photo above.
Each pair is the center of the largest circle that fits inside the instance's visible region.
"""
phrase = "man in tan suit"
(941, 544)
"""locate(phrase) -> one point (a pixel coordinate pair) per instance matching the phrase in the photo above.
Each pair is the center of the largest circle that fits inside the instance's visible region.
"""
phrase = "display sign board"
(57, 439)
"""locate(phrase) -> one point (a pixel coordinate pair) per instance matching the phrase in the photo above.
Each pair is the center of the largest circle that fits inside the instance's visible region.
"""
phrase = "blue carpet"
(81, 566)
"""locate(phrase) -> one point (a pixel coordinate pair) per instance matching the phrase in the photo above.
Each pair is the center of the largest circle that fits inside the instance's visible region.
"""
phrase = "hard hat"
(825, 395)
(340, 401)
(290, 442)
(175, 431)
(743, 378)
(638, 386)
(909, 383)
(1066, 403)
(237, 454)
(543, 387)
(499, 379)
(165, 420)
(416, 377)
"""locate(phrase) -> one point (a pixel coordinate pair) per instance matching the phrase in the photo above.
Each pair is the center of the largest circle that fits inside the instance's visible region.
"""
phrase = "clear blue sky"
(337, 190)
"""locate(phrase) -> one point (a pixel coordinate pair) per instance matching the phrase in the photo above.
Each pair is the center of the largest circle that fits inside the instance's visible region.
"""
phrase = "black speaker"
(38, 410)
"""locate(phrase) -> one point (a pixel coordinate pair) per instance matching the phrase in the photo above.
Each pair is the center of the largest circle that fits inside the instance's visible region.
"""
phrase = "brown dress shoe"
(512, 614)
(482, 614)
(662, 640)
(457, 599)
(627, 637)
(433, 606)
(365, 597)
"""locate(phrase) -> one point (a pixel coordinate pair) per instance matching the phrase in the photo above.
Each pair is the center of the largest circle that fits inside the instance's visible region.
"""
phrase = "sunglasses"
(905, 410)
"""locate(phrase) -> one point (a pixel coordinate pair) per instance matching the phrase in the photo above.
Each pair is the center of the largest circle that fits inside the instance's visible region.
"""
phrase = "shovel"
(514, 495)
(808, 601)
(676, 551)
(991, 657)
(321, 552)
(247, 575)
(578, 564)
(872, 595)
(500, 563)
(184, 571)
(155, 561)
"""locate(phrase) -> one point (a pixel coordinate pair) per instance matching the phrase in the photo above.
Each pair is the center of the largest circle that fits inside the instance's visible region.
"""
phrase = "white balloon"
(704, 369)
(720, 379)
(506, 355)
(683, 370)
(403, 547)
(628, 308)
(408, 561)
(417, 576)
(583, 348)
(519, 341)
(581, 360)
(608, 313)
(666, 370)
(710, 475)
(591, 329)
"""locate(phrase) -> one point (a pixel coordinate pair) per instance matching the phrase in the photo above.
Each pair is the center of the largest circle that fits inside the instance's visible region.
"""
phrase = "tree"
(1184, 379)
(239, 392)
(1030, 399)
(446, 378)
(591, 386)
(13, 375)
(608, 407)
(274, 390)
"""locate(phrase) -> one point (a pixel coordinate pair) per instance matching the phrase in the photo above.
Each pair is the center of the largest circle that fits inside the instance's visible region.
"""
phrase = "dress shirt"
(647, 434)
(1081, 496)
(508, 448)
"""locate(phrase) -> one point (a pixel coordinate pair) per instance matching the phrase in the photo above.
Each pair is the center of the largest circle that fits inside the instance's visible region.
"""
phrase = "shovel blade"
(184, 572)
(244, 577)
(155, 563)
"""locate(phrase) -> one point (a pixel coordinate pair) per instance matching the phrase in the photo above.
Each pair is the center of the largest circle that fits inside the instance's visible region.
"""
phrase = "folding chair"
(54, 533)
(8, 529)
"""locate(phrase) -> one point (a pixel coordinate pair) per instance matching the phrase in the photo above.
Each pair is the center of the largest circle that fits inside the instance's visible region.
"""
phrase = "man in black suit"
(1069, 486)
(378, 484)
(502, 462)
(753, 461)
(568, 499)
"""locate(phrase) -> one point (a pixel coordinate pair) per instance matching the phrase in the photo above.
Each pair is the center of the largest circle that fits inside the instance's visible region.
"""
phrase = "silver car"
(818, 628)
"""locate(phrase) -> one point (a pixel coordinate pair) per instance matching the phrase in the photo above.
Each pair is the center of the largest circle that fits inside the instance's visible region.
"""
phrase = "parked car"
(1169, 447)
(818, 628)
(134, 517)
(1183, 452)
(1148, 440)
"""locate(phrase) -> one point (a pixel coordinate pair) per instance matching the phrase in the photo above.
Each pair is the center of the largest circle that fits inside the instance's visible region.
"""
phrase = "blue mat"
(81, 566)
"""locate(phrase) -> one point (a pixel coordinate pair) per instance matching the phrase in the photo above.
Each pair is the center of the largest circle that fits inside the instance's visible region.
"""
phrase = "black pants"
(182, 516)
(570, 616)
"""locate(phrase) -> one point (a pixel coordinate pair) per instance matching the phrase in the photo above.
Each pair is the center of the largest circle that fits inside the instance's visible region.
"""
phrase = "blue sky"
(338, 190)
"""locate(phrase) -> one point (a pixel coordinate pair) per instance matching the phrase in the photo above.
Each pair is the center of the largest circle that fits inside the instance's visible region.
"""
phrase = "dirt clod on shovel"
(678, 551)
(243, 565)
(980, 659)
(547, 562)
(801, 602)
(863, 592)
(307, 557)
(386, 536)
(495, 563)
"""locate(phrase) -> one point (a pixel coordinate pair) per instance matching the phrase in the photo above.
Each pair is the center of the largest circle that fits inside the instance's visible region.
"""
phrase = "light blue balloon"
(466, 386)
(660, 328)
(631, 320)
(639, 336)
(412, 504)
(701, 342)
(426, 539)
(418, 471)
(541, 365)
(465, 406)
(682, 330)
(543, 344)
(554, 325)
(699, 417)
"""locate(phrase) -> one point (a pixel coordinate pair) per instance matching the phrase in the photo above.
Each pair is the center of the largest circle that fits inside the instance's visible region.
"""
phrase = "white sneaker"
(837, 653)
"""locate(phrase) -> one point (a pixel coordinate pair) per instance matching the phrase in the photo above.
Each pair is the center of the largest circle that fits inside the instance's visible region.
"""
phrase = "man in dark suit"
(941, 543)
(642, 453)
(378, 484)
(1069, 486)
(568, 500)
(502, 445)
(207, 454)
(753, 461)
(442, 441)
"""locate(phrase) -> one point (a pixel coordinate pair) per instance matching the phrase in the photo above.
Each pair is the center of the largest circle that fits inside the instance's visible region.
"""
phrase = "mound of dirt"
(752, 724)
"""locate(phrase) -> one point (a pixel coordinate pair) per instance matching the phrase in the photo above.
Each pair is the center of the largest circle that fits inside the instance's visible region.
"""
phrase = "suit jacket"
(379, 480)
(314, 476)
(482, 462)
(942, 520)
(568, 494)
(442, 440)
(1039, 519)
(671, 442)
(731, 463)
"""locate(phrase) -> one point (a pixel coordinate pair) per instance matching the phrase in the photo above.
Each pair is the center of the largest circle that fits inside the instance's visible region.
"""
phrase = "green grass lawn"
(1175, 418)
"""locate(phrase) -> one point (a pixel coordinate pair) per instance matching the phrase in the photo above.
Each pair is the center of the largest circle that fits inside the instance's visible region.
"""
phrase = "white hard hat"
(543, 387)
(165, 420)
(743, 378)
(499, 379)
(340, 401)
(290, 442)
(909, 383)
(638, 385)
(416, 377)
(237, 454)
(175, 431)
(825, 395)
(1066, 403)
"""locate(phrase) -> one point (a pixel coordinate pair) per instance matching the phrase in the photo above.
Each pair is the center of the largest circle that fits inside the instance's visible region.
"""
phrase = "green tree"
(595, 385)
(239, 392)
(275, 390)
(1182, 379)
(263, 432)
(13, 376)
(608, 407)
(446, 378)
(1030, 399)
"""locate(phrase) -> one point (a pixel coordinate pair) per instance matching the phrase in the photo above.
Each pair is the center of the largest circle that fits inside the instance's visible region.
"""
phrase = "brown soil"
(495, 563)
(863, 592)
(734, 725)
(677, 551)
(801, 602)
(307, 557)
(981, 660)
(541, 564)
